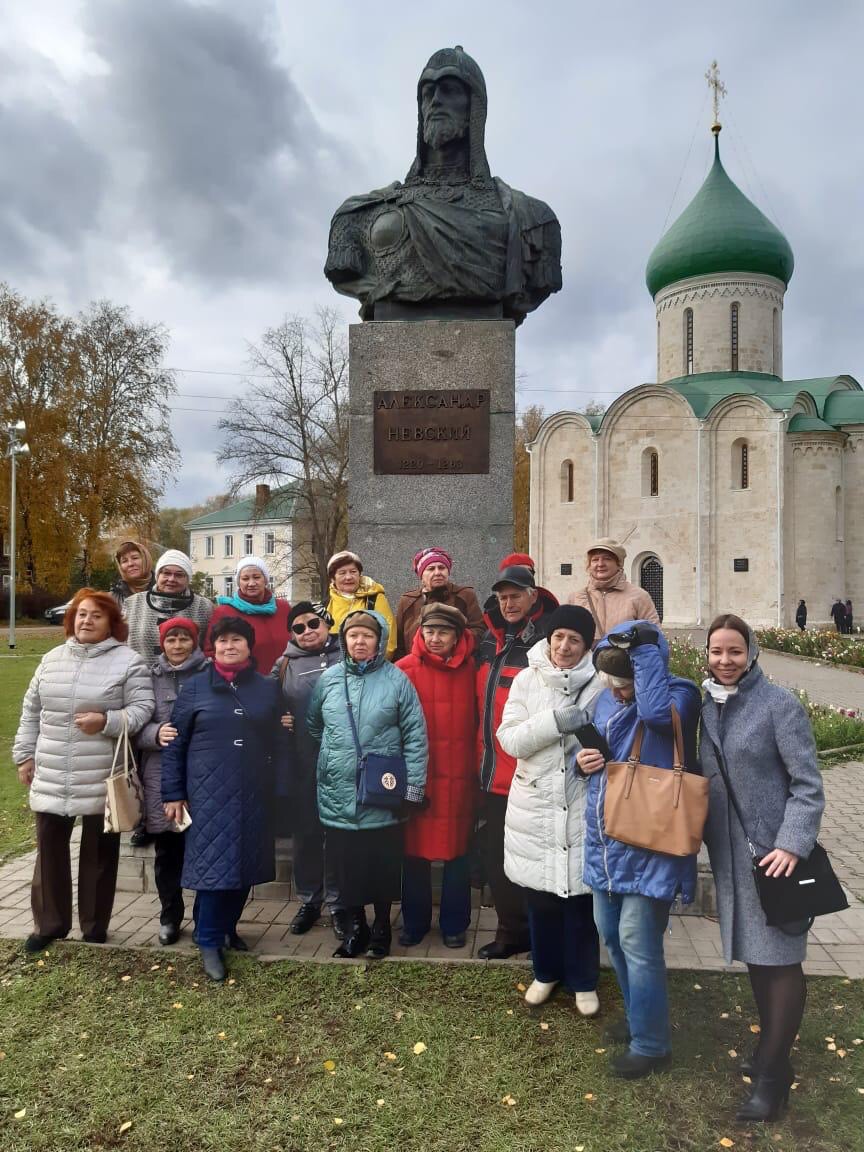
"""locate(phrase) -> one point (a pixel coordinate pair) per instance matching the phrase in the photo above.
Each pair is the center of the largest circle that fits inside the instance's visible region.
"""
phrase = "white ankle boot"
(587, 1003)
(539, 992)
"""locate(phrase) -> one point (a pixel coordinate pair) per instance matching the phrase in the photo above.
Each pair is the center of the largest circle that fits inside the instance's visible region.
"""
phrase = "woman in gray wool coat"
(769, 754)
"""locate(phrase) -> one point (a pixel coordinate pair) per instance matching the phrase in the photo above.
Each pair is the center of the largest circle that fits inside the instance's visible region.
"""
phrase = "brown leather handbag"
(661, 809)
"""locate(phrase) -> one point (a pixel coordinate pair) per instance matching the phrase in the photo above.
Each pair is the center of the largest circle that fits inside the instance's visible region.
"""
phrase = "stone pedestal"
(390, 517)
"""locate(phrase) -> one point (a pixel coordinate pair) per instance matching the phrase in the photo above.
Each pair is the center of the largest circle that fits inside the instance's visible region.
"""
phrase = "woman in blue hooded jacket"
(364, 844)
(634, 887)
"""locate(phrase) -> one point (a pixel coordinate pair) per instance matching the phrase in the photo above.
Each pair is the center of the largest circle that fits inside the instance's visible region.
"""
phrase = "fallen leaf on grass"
(155, 967)
(191, 1076)
(755, 1028)
(861, 1091)
(832, 1047)
(544, 1026)
(379, 1103)
(221, 1036)
(829, 1039)
(509, 1011)
(599, 1051)
(20, 1114)
(579, 1148)
(520, 987)
(391, 1056)
(419, 1048)
(125, 1126)
(337, 1120)
(698, 987)
(588, 1096)
(329, 1065)
(3, 1055)
(176, 1004)
(841, 1052)
(508, 1100)
(725, 1142)
(398, 1014)
(40, 963)
(479, 1037)
(232, 981)
(170, 968)
(858, 1040)
(125, 979)
(724, 1015)
(732, 1053)
(269, 1080)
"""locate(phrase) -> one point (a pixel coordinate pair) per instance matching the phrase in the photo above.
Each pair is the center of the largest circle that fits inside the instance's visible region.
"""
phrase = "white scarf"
(720, 693)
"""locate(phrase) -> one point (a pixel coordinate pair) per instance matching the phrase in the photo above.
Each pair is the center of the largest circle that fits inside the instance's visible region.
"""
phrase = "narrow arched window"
(567, 488)
(688, 341)
(733, 336)
(741, 464)
(839, 514)
(650, 472)
(775, 343)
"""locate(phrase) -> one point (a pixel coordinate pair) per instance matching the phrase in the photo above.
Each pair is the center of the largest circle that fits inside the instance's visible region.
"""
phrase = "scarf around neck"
(610, 583)
(719, 693)
(230, 672)
(247, 607)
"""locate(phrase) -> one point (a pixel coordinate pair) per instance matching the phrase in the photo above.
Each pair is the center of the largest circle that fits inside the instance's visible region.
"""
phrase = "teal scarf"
(268, 609)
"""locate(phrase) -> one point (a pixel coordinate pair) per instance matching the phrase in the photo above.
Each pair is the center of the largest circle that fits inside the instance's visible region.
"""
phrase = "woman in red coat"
(254, 602)
(441, 669)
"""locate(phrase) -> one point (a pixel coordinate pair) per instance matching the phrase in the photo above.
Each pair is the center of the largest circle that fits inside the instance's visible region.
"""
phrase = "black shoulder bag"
(382, 781)
(790, 901)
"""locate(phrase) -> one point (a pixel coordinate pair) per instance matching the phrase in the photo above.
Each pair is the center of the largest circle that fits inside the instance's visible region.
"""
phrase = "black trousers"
(508, 897)
(51, 892)
(168, 868)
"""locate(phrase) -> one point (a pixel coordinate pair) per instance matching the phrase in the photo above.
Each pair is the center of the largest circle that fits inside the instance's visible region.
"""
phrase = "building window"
(650, 472)
(775, 340)
(567, 492)
(651, 579)
(269, 543)
(741, 464)
(209, 546)
(247, 544)
(208, 586)
(733, 335)
(688, 341)
(229, 585)
(839, 514)
(229, 546)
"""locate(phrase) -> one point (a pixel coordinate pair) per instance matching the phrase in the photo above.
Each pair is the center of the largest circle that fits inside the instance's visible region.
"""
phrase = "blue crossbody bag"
(382, 781)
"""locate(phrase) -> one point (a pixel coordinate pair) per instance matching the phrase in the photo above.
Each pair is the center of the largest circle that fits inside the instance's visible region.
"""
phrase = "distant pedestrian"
(801, 615)
(838, 615)
(848, 617)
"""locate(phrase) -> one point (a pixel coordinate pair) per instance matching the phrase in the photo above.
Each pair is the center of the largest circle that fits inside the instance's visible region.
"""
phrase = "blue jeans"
(216, 915)
(632, 928)
(454, 915)
(564, 944)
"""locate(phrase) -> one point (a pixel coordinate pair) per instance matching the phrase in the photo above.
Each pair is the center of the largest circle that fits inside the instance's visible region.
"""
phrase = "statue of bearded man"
(451, 241)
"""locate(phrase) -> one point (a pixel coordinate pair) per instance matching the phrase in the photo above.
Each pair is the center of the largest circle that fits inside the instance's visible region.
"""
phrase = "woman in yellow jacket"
(351, 591)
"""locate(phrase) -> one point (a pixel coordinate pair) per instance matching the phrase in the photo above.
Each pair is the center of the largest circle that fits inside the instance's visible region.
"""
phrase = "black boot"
(381, 934)
(340, 919)
(768, 1099)
(307, 915)
(357, 938)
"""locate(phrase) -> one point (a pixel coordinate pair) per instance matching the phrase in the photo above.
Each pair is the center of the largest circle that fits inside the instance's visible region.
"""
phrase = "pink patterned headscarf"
(427, 556)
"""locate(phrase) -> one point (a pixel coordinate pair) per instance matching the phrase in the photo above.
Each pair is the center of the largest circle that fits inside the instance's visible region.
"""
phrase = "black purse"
(791, 903)
(382, 781)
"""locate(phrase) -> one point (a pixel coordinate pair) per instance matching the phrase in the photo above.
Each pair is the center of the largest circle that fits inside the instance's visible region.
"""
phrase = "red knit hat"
(177, 622)
(522, 559)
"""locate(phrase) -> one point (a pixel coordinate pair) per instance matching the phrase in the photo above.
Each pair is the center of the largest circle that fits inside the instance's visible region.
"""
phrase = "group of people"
(841, 614)
(253, 717)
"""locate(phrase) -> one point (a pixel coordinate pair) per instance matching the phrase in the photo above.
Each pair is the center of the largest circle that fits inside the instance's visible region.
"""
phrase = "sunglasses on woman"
(301, 628)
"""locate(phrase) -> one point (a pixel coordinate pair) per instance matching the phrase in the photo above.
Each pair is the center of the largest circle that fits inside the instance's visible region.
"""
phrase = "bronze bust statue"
(451, 241)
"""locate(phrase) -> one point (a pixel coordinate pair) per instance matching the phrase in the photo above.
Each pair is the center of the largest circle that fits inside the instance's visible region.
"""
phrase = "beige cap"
(607, 544)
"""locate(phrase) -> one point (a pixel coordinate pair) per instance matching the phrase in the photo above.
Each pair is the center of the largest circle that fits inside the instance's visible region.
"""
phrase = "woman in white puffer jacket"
(545, 822)
(70, 720)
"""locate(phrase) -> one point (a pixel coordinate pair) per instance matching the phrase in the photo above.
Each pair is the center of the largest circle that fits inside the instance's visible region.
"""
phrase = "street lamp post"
(14, 450)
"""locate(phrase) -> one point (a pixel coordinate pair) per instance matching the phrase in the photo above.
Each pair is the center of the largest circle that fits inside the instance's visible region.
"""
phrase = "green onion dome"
(719, 231)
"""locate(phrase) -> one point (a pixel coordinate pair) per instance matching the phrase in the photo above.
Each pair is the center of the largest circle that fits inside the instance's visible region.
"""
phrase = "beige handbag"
(124, 804)
(661, 809)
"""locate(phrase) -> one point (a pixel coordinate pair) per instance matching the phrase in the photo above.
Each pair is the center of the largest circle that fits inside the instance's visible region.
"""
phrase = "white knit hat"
(177, 559)
(251, 562)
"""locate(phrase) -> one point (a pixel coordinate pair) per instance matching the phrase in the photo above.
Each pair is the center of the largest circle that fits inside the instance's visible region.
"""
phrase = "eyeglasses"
(299, 629)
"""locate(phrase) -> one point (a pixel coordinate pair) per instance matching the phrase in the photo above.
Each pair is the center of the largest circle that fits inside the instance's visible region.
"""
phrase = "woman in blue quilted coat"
(365, 843)
(634, 887)
(220, 767)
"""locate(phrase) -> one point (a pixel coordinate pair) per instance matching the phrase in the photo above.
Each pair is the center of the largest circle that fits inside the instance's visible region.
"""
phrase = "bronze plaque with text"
(433, 432)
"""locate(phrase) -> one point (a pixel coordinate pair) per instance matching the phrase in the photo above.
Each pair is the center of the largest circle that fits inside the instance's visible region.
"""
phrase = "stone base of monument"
(432, 417)
(135, 874)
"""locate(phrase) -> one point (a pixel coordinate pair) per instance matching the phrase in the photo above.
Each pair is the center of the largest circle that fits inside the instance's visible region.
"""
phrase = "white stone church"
(731, 488)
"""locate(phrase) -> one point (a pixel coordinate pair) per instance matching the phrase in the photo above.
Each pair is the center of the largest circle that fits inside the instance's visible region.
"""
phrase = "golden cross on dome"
(718, 91)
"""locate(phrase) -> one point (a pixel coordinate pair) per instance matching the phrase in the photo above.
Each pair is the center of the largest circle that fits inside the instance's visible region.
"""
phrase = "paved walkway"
(693, 942)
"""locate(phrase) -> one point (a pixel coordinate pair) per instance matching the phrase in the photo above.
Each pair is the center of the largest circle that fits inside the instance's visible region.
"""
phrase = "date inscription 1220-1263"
(434, 432)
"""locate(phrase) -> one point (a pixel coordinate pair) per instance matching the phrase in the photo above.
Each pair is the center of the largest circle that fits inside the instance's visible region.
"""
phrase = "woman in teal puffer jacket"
(364, 844)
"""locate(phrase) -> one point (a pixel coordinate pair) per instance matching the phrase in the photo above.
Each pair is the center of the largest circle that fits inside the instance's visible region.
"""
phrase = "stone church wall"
(815, 549)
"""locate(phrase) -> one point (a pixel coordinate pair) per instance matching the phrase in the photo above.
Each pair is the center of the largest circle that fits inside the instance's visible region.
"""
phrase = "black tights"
(780, 991)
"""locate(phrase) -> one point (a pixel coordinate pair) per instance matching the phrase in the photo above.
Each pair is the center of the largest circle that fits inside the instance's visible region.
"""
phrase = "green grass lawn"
(297, 1056)
(16, 823)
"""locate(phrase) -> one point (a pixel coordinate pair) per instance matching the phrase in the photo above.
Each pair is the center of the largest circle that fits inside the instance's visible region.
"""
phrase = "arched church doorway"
(651, 579)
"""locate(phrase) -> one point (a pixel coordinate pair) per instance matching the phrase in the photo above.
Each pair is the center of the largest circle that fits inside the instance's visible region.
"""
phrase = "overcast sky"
(185, 159)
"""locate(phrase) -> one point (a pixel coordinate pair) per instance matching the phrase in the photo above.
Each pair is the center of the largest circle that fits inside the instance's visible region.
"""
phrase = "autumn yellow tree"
(527, 426)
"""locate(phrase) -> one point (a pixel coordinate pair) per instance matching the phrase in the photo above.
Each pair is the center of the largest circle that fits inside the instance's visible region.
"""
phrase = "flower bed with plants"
(831, 647)
(832, 727)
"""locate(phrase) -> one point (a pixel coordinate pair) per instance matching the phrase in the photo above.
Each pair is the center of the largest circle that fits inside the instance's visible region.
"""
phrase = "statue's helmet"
(456, 62)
